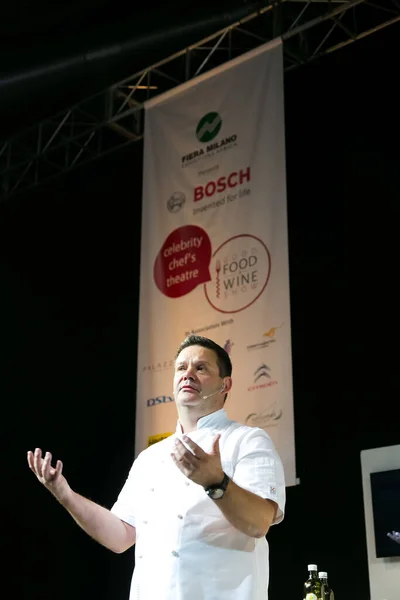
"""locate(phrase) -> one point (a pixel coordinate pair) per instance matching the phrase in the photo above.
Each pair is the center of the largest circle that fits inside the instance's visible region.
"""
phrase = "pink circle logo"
(183, 261)
(240, 270)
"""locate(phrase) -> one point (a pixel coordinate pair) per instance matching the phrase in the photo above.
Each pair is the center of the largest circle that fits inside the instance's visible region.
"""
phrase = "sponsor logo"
(262, 371)
(266, 418)
(159, 366)
(239, 271)
(153, 439)
(268, 338)
(223, 183)
(207, 130)
(260, 375)
(228, 346)
(158, 400)
(176, 201)
(208, 127)
(259, 386)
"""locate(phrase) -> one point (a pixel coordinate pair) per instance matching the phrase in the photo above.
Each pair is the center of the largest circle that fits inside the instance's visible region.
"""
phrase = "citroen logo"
(262, 371)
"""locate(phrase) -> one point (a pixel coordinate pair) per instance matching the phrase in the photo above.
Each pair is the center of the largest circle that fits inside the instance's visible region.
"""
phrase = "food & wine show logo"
(239, 273)
(182, 263)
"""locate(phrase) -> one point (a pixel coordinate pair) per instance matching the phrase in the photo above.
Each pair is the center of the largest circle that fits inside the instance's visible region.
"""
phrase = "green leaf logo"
(208, 127)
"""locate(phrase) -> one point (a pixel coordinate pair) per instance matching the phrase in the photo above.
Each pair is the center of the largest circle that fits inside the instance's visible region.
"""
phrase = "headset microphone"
(214, 393)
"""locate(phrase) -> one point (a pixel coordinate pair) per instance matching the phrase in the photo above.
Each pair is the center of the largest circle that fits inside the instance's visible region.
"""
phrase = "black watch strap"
(217, 490)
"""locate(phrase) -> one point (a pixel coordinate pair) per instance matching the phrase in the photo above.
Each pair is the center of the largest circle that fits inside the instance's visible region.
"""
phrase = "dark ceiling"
(33, 31)
(55, 53)
(75, 48)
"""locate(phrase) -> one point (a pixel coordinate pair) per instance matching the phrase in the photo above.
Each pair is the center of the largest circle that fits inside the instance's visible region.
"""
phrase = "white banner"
(214, 249)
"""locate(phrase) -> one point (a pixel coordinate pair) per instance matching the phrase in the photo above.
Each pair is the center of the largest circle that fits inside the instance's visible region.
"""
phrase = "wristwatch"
(215, 492)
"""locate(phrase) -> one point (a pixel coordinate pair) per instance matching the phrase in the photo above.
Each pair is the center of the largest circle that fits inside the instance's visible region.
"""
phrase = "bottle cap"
(312, 568)
(323, 574)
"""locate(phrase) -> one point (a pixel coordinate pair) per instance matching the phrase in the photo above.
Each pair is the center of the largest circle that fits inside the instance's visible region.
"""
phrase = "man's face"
(197, 375)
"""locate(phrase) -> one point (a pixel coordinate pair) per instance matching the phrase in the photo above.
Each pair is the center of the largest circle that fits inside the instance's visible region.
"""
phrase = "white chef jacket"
(185, 547)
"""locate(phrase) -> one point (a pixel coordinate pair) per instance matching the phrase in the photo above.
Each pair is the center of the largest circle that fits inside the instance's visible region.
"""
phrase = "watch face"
(217, 493)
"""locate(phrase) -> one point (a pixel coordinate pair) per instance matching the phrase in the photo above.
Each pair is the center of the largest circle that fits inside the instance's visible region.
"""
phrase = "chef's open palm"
(51, 477)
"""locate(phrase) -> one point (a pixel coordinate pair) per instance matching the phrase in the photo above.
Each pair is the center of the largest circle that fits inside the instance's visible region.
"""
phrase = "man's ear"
(227, 384)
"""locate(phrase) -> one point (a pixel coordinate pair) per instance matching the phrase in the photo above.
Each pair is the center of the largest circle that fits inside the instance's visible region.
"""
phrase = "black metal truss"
(113, 118)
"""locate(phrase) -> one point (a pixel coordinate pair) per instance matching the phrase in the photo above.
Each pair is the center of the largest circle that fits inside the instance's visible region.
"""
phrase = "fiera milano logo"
(207, 130)
(208, 127)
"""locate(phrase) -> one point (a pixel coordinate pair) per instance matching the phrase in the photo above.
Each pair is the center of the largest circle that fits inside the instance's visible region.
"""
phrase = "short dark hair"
(223, 360)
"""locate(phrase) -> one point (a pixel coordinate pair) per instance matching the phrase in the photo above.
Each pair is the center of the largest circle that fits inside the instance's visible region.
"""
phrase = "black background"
(69, 270)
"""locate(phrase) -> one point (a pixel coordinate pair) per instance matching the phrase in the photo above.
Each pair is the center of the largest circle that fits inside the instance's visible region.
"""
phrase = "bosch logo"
(158, 400)
(221, 184)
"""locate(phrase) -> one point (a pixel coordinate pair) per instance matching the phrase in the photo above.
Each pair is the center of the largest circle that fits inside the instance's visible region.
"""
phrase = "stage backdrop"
(214, 248)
